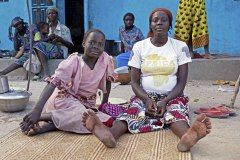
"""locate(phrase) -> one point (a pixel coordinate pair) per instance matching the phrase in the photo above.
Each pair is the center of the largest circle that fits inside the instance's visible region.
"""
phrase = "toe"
(209, 127)
(208, 131)
(201, 117)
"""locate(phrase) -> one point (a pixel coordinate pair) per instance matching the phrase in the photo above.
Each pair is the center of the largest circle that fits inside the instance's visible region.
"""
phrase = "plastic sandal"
(36, 78)
(218, 114)
(226, 110)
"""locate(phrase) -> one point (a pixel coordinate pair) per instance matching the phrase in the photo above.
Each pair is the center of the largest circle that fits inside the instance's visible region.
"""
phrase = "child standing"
(72, 90)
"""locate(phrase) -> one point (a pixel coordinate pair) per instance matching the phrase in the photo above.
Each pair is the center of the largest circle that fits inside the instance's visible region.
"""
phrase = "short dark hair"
(128, 14)
(90, 31)
(40, 25)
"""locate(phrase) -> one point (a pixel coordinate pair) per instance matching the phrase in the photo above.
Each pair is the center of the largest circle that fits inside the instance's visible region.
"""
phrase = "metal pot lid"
(15, 94)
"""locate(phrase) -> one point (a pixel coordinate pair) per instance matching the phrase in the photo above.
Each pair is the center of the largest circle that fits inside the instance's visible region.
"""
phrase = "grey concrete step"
(199, 69)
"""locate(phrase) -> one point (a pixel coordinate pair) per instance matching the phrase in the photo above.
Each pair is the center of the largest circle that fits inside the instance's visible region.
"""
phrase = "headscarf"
(16, 20)
(13, 23)
(150, 33)
(53, 8)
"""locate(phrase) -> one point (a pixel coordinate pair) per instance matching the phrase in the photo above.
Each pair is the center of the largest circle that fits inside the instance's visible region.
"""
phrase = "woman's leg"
(10, 68)
(189, 136)
(43, 59)
(190, 48)
(107, 136)
(207, 53)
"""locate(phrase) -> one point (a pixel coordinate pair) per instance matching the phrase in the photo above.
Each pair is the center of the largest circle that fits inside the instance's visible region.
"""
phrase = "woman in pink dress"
(72, 90)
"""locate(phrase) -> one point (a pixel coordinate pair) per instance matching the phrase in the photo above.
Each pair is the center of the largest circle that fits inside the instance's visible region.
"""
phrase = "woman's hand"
(151, 108)
(31, 119)
(161, 107)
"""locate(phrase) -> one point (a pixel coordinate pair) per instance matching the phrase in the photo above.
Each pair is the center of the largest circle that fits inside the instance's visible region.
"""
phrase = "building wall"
(9, 10)
(223, 19)
(107, 15)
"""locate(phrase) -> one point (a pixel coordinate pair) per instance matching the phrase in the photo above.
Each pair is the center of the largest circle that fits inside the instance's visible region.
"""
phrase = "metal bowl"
(14, 100)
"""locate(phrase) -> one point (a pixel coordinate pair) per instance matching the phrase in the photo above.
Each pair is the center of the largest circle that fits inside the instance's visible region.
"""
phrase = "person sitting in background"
(129, 34)
(42, 34)
(21, 39)
(60, 38)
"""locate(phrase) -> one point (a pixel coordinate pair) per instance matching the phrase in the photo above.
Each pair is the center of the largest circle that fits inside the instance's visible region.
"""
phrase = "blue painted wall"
(9, 10)
(223, 19)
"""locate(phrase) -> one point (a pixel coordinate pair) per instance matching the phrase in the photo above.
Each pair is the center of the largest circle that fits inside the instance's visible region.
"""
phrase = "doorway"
(74, 12)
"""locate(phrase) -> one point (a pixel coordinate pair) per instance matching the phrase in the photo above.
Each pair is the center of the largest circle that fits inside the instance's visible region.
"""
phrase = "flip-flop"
(226, 110)
(215, 112)
(222, 109)
(36, 78)
(218, 114)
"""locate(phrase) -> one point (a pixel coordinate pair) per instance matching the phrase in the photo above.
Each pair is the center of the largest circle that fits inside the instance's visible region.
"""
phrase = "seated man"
(60, 38)
(21, 41)
(128, 34)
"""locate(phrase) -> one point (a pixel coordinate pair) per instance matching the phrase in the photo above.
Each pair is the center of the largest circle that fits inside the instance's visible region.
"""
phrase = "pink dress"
(75, 92)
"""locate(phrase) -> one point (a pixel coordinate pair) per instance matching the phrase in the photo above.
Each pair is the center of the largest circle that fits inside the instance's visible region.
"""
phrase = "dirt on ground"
(221, 144)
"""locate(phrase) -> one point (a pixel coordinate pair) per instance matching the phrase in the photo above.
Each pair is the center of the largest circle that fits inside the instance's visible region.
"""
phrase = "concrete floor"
(222, 143)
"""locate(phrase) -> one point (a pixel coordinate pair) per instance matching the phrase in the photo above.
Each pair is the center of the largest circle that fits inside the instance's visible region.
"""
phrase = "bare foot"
(94, 125)
(38, 128)
(208, 56)
(199, 129)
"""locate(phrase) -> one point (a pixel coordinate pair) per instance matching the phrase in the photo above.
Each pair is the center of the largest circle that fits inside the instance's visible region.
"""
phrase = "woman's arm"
(20, 52)
(182, 75)
(140, 93)
(177, 90)
(15, 40)
(106, 95)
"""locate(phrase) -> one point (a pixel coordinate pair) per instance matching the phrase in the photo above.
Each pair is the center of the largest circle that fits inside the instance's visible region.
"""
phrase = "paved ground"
(221, 144)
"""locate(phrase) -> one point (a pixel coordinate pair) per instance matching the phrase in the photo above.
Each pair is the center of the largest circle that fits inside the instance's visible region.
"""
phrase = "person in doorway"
(129, 34)
(60, 38)
(191, 26)
(70, 93)
(159, 69)
(21, 39)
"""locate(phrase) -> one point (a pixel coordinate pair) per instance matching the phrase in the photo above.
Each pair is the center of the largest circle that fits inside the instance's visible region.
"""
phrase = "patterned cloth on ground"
(139, 122)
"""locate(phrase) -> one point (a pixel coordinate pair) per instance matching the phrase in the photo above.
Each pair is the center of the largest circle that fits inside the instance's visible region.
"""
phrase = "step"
(199, 69)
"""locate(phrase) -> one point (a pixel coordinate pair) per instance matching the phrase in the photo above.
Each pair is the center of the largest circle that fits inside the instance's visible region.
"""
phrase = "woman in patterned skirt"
(191, 26)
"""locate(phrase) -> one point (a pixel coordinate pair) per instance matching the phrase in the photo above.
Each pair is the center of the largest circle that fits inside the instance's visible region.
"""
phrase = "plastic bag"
(36, 65)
